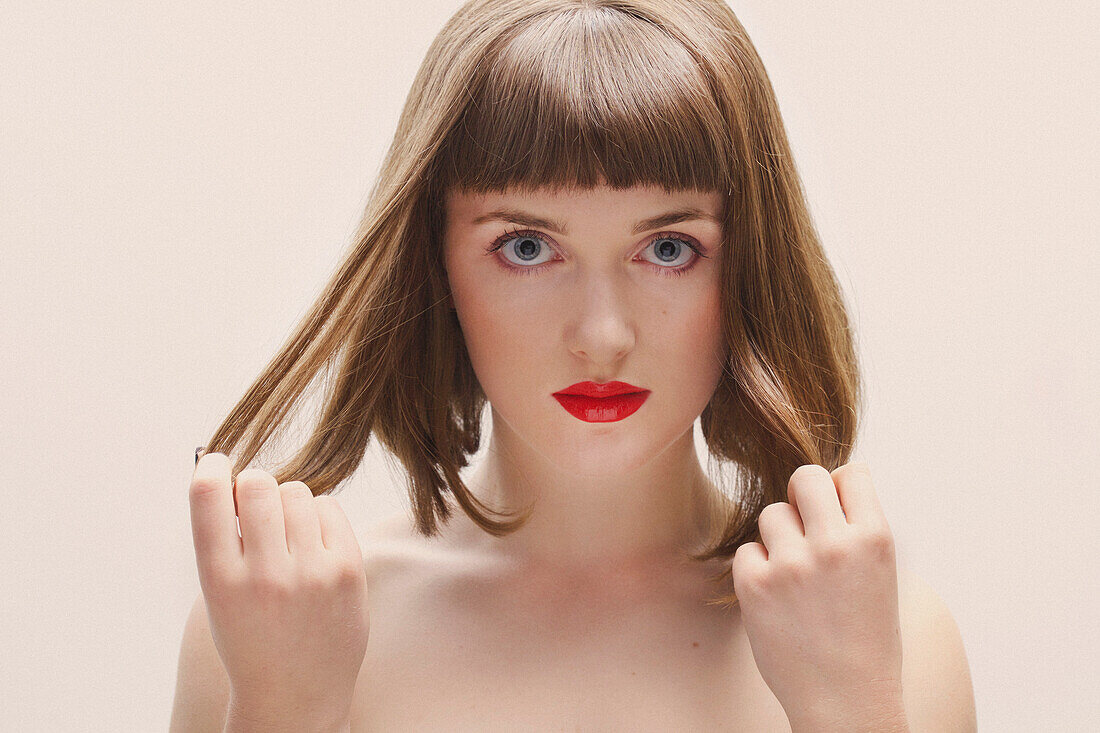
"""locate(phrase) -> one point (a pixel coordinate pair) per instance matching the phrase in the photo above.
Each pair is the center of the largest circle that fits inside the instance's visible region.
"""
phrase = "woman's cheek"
(497, 346)
(703, 349)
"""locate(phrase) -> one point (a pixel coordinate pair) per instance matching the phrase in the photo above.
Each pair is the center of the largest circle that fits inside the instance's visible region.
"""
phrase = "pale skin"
(589, 617)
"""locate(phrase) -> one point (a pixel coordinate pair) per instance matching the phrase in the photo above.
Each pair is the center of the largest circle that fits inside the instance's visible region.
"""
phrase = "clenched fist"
(819, 602)
(286, 598)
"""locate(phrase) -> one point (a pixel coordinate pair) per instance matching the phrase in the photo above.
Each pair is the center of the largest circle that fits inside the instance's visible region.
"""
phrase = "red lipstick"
(607, 402)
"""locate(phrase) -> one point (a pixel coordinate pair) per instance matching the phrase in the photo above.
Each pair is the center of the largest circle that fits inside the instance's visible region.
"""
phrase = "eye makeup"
(500, 241)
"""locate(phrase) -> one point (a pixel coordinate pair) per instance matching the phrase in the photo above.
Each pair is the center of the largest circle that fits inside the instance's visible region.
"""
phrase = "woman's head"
(593, 292)
(618, 107)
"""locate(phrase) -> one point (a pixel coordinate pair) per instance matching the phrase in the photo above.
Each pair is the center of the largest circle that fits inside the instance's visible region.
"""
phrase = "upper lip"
(608, 389)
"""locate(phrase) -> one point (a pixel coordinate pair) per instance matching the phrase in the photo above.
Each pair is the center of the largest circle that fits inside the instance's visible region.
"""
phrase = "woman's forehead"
(580, 199)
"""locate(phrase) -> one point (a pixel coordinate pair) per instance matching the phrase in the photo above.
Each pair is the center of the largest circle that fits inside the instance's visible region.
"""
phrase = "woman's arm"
(202, 701)
(202, 685)
(937, 695)
(936, 684)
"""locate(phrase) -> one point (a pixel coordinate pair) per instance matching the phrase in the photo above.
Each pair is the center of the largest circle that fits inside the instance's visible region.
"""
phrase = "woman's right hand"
(286, 599)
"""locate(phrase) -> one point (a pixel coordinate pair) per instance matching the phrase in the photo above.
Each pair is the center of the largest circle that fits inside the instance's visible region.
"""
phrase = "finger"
(812, 492)
(213, 522)
(857, 494)
(781, 529)
(261, 513)
(303, 528)
(336, 532)
(745, 564)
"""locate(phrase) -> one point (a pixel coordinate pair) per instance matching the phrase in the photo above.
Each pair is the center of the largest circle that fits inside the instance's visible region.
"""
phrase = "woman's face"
(591, 291)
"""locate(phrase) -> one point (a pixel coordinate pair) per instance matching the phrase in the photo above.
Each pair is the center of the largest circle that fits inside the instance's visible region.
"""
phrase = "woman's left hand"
(819, 601)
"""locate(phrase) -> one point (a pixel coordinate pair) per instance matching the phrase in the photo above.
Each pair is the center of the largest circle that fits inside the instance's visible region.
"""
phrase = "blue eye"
(666, 247)
(529, 246)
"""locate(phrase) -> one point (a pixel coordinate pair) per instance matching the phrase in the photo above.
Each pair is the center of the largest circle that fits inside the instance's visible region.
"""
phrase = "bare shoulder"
(202, 685)
(936, 683)
(404, 567)
(392, 548)
(920, 604)
(385, 540)
(395, 537)
(395, 527)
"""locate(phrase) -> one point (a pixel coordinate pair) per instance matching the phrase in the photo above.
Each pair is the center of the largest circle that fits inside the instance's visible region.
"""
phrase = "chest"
(438, 661)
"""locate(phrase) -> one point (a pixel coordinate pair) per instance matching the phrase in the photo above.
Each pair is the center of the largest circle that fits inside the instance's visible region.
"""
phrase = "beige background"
(178, 180)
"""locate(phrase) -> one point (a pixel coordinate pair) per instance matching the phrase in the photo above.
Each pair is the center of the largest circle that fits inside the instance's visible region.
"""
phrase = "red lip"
(601, 409)
(609, 402)
(608, 389)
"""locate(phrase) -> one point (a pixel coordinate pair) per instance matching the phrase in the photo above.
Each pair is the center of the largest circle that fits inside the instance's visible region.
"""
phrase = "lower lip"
(601, 409)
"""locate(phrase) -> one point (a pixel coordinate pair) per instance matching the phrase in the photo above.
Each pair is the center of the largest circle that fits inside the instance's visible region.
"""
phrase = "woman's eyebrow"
(523, 218)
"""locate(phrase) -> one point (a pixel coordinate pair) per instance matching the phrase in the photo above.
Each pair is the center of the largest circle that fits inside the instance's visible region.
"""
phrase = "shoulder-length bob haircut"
(528, 94)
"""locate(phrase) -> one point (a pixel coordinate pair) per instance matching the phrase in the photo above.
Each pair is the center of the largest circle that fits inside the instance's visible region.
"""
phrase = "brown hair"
(529, 94)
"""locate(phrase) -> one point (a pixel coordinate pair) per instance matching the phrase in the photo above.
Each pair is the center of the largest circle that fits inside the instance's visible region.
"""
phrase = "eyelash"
(499, 242)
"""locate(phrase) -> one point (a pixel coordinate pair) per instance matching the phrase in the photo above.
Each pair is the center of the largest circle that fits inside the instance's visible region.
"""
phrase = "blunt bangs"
(588, 97)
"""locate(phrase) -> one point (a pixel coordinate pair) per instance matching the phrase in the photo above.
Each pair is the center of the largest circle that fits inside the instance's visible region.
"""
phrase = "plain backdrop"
(178, 180)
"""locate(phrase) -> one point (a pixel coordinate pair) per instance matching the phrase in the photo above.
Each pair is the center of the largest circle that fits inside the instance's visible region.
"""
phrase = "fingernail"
(200, 450)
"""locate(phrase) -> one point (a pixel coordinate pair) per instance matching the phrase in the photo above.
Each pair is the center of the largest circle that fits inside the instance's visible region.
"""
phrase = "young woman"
(590, 221)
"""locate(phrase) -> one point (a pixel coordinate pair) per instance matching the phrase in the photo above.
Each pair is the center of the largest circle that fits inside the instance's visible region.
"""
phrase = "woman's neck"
(656, 513)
